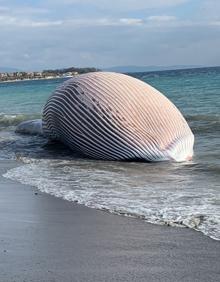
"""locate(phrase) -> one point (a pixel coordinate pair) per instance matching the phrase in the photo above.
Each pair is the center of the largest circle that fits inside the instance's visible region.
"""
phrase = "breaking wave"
(7, 120)
(130, 189)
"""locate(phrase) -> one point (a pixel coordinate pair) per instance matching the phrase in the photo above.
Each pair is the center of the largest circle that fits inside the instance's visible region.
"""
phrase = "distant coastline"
(33, 79)
(45, 74)
(70, 72)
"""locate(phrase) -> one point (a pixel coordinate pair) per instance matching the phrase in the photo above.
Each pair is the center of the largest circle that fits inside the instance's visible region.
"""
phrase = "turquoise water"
(25, 97)
(180, 194)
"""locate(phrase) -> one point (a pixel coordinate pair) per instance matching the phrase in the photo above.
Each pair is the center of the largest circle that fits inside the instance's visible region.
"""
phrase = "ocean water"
(178, 194)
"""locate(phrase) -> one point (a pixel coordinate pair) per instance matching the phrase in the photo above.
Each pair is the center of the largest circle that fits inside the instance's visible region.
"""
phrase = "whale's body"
(113, 116)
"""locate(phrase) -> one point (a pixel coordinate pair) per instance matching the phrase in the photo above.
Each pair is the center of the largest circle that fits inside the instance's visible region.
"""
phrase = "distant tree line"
(72, 70)
(5, 76)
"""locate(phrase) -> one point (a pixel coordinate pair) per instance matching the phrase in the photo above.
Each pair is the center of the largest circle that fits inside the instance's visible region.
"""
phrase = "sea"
(176, 194)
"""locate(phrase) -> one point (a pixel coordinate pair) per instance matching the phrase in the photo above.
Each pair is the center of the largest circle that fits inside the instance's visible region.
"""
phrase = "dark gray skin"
(30, 127)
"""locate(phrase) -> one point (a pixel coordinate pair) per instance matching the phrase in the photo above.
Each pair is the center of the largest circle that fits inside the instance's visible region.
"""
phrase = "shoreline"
(33, 79)
(44, 238)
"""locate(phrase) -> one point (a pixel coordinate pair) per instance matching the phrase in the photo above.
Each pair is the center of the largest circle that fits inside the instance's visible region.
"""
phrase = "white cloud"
(105, 22)
(26, 56)
(209, 10)
(131, 21)
(102, 33)
(7, 20)
(41, 23)
(215, 23)
(163, 18)
(123, 5)
(23, 10)
(29, 11)
(150, 23)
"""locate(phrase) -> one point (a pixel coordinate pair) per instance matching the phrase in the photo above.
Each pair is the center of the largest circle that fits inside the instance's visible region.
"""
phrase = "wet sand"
(43, 238)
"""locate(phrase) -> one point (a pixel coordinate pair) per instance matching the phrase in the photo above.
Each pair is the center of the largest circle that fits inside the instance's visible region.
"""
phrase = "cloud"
(131, 21)
(209, 10)
(23, 10)
(3, 9)
(122, 4)
(21, 22)
(7, 20)
(41, 23)
(215, 23)
(30, 11)
(163, 18)
(18, 20)
(104, 22)
(99, 33)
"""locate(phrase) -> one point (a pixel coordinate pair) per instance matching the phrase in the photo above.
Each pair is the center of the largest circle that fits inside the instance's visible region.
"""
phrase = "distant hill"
(126, 69)
(120, 69)
(8, 69)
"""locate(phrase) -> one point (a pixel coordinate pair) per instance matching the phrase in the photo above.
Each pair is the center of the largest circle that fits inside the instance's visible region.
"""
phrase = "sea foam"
(129, 189)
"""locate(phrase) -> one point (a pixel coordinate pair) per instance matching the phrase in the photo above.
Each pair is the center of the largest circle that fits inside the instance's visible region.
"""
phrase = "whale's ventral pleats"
(114, 116)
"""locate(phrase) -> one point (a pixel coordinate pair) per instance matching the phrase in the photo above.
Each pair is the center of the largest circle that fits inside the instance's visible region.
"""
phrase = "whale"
(113, 116)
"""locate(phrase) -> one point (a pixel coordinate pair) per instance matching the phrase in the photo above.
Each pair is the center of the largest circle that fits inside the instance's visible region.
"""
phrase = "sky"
(46, 34)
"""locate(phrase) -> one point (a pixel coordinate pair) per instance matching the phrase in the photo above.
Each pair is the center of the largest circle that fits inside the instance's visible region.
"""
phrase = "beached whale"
(113, 116)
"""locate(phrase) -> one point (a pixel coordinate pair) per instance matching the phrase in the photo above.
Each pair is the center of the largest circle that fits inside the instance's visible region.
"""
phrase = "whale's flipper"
(30, 127)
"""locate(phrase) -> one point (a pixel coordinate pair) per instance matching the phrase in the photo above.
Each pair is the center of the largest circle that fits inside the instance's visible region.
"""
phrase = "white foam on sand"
(129, 189)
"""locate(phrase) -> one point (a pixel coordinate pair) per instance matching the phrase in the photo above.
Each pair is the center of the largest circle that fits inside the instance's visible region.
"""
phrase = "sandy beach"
(44, 238)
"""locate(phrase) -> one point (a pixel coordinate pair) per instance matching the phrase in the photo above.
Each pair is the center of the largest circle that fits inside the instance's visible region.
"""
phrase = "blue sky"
(103, 33)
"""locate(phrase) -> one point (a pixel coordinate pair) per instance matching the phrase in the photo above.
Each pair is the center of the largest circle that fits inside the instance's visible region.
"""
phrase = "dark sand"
(43, 238)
